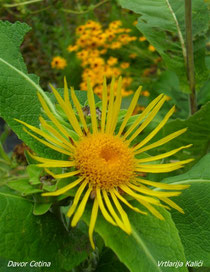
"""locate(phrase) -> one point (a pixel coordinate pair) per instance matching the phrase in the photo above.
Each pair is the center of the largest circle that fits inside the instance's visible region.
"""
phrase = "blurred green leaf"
(151, 240)
(162, 23)
(194, 226)
(26, 237)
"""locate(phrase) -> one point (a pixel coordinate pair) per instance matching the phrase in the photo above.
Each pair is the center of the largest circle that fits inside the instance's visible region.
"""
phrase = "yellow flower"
(72, 48)
(142, 39)
(96, 62)
(83, 54)
(104, 160)
(145, 93)
(115, 45)
(80, 29)
(151, 48)
(115, 24)
(124, 65)
(138, 109)
(58, 63)
(135, 23)
(112, 61)
(133, 55)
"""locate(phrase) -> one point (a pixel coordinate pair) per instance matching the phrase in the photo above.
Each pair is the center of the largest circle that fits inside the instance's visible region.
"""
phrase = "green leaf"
(151, 240)
(168, 83)
(194, 226)
(23, 186)
(26, 237)
(109, 262)
(18, 89)
(198, 134)
(41, 208)
(162, 23)
(34, 173)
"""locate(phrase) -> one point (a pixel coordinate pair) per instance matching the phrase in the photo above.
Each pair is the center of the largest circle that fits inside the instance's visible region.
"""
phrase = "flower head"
(103, 158)
(58, 63)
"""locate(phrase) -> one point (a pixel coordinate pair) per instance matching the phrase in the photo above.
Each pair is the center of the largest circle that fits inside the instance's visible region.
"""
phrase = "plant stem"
(21, 4)
(190, 57)
(91, 8)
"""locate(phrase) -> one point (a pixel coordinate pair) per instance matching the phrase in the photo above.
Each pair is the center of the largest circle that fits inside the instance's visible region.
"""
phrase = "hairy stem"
(190, 57)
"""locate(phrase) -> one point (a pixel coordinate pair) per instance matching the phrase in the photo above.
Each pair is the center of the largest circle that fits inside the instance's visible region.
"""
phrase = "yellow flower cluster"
(91, 46)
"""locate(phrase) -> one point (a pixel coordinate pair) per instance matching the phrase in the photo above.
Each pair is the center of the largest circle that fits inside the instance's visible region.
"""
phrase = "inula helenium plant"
(103, 157)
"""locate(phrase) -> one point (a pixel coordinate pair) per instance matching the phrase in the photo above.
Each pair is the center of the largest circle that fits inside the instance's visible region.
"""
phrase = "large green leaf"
(194, 226)
(162, 23)
(25, 237)
(198, 134)
(18, 98)
(151, 240)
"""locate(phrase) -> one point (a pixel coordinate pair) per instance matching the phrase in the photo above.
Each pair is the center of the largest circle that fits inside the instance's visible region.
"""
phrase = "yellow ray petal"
(110, 107)
(104, 106)
(93, 221)
(172, 204)
(138, 196)
(112, 212)
(64, 189)
(162, 185)
(80, 210)
(64, 175)
(126, 202)
(130, 110)
(142, 116)
(61, 150)
(156, 130)
(56, 133)
(162, 156)
(161, 141)
(149, 118)
(51, 116)
(103, 209)
(151, 209)
(77, 198)
(148, 191)
(54, 163)
(69, 112)
(122, 213)
(79, 110)
(92, 105)
(43, 134)
(159, 170)
(116, 107)
(166, 167)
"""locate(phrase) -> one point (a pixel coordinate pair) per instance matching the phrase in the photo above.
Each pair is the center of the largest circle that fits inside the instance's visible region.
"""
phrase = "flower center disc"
(104, 160)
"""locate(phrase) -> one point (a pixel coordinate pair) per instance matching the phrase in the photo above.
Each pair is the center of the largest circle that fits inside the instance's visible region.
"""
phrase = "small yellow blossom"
(145, 93)
(124, 65)
(72, 48)
(142, 39)
(151, 48)
(112, 61)
(58, 63)
(133, 55)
